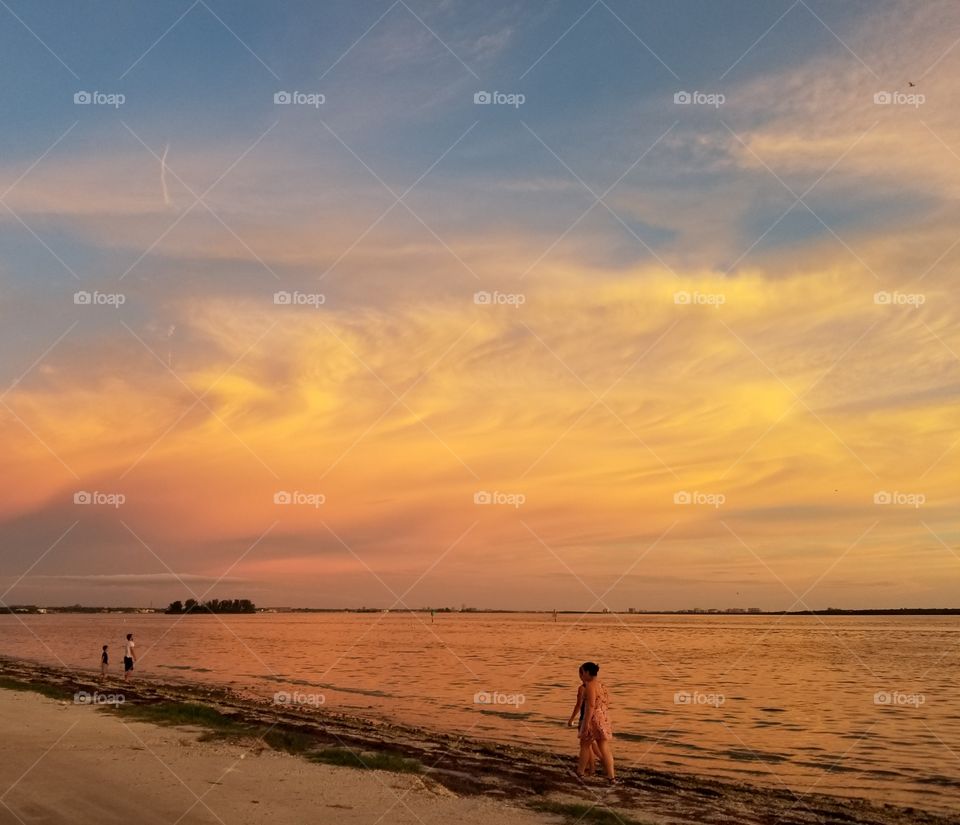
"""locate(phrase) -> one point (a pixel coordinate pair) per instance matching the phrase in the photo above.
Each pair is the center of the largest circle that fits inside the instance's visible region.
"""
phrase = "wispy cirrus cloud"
(501, 331)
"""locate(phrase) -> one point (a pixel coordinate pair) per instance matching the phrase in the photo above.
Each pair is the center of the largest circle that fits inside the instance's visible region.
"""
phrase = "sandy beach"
(68, 762)
(62, 762)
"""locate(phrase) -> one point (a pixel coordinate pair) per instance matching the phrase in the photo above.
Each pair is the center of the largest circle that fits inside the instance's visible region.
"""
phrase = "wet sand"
(77, 763)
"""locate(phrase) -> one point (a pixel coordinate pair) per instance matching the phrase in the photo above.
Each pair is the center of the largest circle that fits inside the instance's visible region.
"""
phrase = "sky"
(573, 305)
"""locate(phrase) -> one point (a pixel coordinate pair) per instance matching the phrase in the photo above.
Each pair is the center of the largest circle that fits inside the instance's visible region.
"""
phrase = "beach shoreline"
(473, 768)
(62, 762)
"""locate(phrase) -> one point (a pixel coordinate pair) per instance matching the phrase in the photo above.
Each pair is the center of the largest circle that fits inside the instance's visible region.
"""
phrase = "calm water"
(790, 702)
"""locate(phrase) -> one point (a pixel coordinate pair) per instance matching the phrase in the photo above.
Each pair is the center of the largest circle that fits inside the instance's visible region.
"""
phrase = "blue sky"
(794, 199)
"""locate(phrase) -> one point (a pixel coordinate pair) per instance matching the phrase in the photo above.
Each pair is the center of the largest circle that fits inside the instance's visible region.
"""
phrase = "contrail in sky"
(163, 175)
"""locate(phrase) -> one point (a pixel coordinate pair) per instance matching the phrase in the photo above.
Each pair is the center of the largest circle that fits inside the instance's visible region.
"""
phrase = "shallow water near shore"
(864, 706)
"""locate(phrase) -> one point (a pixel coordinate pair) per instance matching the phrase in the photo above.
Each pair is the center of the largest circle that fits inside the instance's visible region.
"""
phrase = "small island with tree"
(212, 606)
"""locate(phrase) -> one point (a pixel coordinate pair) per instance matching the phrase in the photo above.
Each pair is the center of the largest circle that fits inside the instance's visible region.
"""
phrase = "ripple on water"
(753, 755)
(506, 714)
(882, 773)
(939, 781)
(828, 766)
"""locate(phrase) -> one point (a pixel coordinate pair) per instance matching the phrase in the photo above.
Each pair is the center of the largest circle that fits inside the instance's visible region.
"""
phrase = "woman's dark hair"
(590, 667)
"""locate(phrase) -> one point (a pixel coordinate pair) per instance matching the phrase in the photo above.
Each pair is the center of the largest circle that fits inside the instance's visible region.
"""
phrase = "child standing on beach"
(579, 708)
(104, 662)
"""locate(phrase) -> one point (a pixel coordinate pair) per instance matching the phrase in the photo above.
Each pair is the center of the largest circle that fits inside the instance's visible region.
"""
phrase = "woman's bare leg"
(606, 756)
(585, 763)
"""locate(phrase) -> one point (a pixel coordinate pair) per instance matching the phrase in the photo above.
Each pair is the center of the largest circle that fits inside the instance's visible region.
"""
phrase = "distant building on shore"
(754, 610)
(736, 610)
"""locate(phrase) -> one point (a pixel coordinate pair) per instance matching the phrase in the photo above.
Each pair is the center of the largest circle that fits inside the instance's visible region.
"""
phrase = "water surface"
(868, 706)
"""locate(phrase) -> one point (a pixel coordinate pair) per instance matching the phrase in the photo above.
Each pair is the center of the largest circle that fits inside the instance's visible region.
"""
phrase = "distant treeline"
(246, 606)
(212, 606)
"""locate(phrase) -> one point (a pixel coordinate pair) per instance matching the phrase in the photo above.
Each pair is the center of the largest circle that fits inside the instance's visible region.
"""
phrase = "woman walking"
(596, 726)
(580, 707)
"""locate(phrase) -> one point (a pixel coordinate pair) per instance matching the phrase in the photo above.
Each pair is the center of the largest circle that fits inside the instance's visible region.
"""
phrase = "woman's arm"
(590, 701)
(576, 707)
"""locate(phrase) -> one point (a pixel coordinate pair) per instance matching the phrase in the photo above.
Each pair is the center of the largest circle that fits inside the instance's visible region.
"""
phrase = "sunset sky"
(747, 302)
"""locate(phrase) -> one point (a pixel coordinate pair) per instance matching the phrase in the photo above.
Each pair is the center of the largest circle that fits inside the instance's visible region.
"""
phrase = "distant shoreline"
(830, 611)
